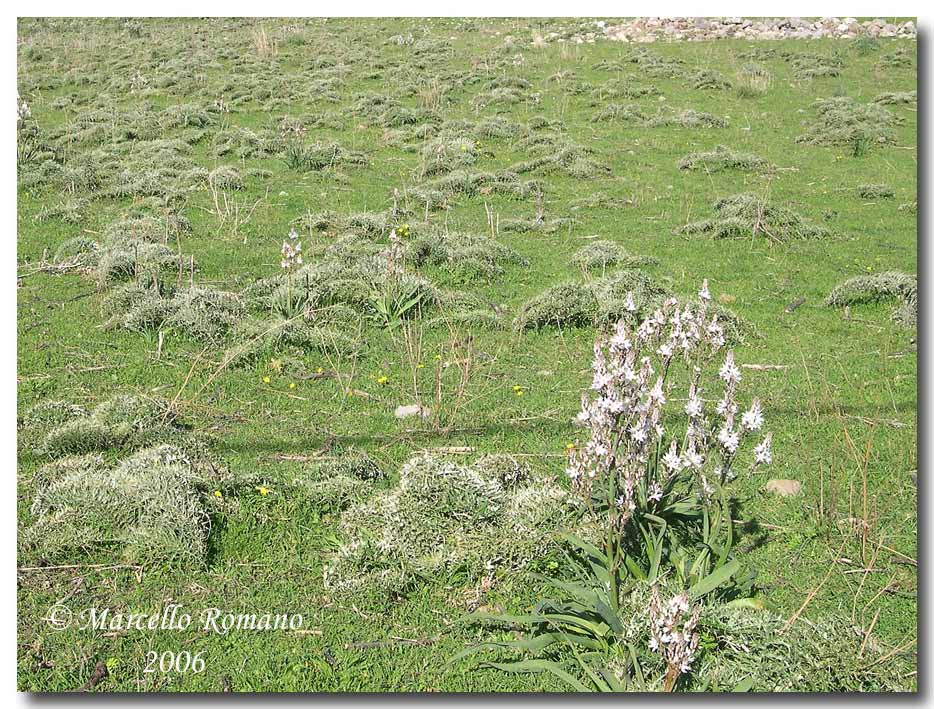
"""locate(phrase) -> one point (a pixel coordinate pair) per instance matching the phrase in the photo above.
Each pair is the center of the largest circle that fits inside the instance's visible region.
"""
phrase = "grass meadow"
(531, 182)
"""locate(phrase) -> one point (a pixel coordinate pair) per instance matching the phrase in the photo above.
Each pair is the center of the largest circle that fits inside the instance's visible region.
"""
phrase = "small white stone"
(783, 488)
(406, 411)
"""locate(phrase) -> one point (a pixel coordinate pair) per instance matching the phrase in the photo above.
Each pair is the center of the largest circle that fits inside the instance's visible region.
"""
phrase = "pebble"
(407, 411)
(783, 488)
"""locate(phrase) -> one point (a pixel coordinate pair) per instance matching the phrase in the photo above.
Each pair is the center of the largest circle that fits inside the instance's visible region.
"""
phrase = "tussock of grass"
(373, 225)
(70, 210)
(874, 191)
(685, 118)
(723, 158)
(225, 177)
(51, 413)
(746, 215)
(709, 79)
(335, 493)
(125, 422)
(139, 261)
(602, 302)
(463, 183)
(612, 290)
(630, 112)
(338, 483)
(346, 279)
(535, 225)
(626, 88)
(459, 308)
(357, 465)
(469, 256)
(844, 121)
(753, 81)
(891, 98)
(205, 314)
(588, 303)
(600, 200)
(244, 143)
(652, 64)
(446, 517)
(145, 510)
(812, 66)
(880, 287)
(556, 153)
(500, 96)
(256, 338)
(900, 58)
(320, 155)
(202, 314)
(562, 305)
(77, 252)
(600, 255)
(665, 116)
(445, 153)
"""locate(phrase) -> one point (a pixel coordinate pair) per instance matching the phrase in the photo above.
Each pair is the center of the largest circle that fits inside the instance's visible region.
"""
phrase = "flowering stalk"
(673, 634)
(27, 132)
(631, 465)
(22, 111)
(394, 257)
(291, 259)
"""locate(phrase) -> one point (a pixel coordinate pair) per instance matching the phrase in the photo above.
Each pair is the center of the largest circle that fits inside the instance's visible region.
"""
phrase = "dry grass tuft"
(881, 287)
(746, 215)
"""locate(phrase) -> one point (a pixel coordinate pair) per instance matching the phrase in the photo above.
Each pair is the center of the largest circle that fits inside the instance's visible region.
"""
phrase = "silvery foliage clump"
(631, 398)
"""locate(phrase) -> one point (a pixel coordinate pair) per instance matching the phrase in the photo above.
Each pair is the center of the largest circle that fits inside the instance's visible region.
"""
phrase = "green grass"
(840, 392)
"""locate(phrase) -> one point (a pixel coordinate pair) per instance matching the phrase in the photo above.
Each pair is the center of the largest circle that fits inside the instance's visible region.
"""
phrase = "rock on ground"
(783, 488)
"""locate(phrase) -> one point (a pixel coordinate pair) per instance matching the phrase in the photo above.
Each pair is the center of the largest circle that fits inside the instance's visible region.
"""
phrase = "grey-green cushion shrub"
(146, 510)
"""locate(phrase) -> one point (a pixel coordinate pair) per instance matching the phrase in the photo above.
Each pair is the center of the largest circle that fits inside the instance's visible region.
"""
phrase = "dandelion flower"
(266, 380)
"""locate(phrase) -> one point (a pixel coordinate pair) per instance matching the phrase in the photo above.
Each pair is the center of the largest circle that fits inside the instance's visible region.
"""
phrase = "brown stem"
(670, 678)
